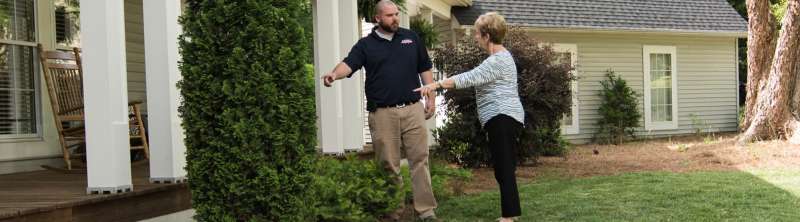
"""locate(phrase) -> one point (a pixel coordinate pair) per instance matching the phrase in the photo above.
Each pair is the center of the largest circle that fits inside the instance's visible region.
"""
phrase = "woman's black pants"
(503, 132)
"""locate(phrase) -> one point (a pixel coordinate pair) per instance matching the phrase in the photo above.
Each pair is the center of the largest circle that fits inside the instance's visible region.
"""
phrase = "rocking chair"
(63, 76)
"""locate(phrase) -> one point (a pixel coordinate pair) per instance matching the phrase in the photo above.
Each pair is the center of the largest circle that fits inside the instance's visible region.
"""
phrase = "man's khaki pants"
(404, 127)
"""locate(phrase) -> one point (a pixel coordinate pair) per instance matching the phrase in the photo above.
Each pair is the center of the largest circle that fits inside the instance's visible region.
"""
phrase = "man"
(395, 59)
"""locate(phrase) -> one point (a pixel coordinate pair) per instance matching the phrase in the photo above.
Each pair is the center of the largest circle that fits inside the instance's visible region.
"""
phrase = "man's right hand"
(329, 78)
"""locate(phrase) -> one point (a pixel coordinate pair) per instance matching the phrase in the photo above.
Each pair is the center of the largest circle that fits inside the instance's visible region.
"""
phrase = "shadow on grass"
(647, 196)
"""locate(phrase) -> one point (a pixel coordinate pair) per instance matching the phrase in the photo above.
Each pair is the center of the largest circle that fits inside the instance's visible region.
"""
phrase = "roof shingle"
(654, 15)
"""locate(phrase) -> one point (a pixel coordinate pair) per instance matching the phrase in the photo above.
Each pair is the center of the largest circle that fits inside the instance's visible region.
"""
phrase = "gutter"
(589, 29)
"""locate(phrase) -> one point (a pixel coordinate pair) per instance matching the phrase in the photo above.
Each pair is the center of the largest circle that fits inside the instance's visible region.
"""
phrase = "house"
(130, 53)
(28, 137)
(680, 55)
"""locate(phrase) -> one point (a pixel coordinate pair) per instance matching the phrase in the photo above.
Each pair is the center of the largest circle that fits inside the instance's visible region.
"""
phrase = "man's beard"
(387, 27)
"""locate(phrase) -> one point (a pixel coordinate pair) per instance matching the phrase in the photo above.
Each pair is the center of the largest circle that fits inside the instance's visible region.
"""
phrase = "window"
(19, 97)
(67, 26)
(568, 53)
(660, 88)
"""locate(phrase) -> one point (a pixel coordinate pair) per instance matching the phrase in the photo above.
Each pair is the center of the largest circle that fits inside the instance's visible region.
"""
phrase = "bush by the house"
(446, 181)
(619, 114)
(354, 190)
(248, 111)
(544, 86)
(426, 31)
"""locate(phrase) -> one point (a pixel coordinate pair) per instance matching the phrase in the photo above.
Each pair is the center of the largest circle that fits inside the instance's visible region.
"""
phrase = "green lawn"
(655, 196)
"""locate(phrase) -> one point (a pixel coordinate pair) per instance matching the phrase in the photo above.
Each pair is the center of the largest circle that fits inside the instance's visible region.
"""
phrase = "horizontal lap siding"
(706, 77)
(134, 47)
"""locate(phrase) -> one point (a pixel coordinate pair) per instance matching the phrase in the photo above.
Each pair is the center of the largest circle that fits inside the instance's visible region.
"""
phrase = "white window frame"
(573, 50)
(648, 122)
(36, 81)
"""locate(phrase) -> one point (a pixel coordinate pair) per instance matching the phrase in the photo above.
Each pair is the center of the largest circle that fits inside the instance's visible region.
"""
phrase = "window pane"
(67, 23)
(661, 87)
(17, 20)
(654, 64)
(17, 90)
(567, 120)
(566, 58)
(6, 79)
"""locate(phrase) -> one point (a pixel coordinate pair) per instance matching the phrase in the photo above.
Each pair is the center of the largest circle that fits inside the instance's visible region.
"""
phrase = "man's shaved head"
(383, 3)
(387, 15)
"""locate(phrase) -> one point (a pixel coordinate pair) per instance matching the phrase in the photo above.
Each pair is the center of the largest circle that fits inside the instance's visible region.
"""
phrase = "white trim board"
(573, 50)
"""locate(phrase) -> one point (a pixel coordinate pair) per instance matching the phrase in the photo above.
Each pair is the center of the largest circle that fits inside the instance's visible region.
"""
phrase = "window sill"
(660, 126)
(22, 139)
(569, 131)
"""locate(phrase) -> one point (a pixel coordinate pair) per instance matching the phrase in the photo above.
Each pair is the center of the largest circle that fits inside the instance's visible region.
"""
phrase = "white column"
(426, 14)
(326, 56)
(405, 20)
(352, 96)
(161, 30)
(105, 96)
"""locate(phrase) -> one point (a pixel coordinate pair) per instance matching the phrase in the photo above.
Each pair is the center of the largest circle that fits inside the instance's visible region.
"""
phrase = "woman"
(499, 106)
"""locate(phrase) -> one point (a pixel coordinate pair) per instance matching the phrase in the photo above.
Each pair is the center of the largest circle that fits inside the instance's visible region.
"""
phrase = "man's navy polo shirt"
(393, 67)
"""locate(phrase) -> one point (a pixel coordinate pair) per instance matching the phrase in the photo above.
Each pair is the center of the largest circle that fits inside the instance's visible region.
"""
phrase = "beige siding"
(444, 28)
(134, 38)
(706, 72)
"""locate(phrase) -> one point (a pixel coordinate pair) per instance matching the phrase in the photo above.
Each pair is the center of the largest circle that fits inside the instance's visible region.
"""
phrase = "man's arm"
(427, 77)
(353, 62)
(339, 72)
(430, 98)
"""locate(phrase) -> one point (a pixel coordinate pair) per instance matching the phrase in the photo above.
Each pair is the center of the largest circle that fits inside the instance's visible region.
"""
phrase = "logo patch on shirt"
(406, 41)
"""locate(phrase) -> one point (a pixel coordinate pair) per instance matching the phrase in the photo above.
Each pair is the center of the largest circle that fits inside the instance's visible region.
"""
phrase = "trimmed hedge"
(248, 110)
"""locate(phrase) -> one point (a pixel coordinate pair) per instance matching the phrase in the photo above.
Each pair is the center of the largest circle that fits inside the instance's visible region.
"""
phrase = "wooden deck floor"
(54, 194)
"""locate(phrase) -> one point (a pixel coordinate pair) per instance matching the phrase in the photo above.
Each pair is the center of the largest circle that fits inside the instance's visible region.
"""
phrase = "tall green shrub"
(619, 113)
(248, 110)
(426, 31)
(544, 88)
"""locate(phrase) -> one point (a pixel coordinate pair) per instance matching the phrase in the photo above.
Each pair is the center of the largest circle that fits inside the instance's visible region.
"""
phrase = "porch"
(54, 196)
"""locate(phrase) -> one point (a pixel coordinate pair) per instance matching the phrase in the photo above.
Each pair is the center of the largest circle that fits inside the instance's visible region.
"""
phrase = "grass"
(646, 196)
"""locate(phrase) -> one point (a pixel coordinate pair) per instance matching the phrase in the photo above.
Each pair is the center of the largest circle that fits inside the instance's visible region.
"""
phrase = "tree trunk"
(760, 49)
(774, 108)
(795, 139)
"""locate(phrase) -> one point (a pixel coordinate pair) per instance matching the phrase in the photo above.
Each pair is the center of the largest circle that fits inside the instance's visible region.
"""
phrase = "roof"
(640, 15)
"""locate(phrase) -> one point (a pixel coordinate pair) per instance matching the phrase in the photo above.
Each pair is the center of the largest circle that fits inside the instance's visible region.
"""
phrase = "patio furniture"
(63, 76)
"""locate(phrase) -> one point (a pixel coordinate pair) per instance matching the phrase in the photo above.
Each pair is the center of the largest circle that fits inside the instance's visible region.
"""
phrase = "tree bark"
(795, 139)
(774, 108)
(760, 49)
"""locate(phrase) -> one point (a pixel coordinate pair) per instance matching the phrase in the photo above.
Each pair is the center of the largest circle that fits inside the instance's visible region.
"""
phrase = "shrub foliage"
(544, 88)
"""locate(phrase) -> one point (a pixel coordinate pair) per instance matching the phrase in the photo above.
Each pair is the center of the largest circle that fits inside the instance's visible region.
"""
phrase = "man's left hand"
(430, 105)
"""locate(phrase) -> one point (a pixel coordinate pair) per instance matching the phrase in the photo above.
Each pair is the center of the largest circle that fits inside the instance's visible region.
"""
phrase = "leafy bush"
(544, 87)
(458, 140)
(354, 190)
(426, 31)
(446, 181)
(618, 112)
(248, 111)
